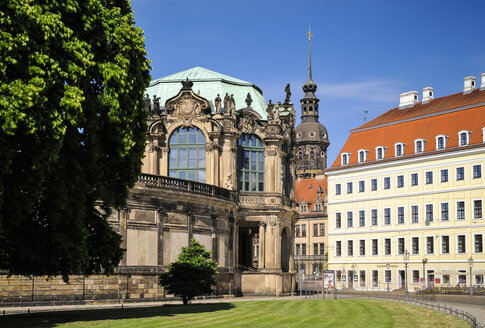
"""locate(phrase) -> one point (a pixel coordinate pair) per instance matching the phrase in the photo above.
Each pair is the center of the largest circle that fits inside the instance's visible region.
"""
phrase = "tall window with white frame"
(350, 222)
(414, 179)
(444, 212)
(373, 183)
(477, 171)
(461, 244)
(460, 210)
(387, 216)
(338, 248)
(414, 214)
(338, 220)
(445, 244)
(429, 177)
(463, 138)
(400, 215)
(350, 248)
(361, 186)
(374, 217)
(349, 187)
(477, 209)
(387, 246)
(187, 154)
(400, 245)
(440, 142)
(478, 243)
(415, 245)
(430, 245)
(444, 175)
(429, 213)
(338, 189)
(375, 246)
(250, 163)
(460, 173)
(387, 182)
(400, 181)
(361, 218)
(362, 247)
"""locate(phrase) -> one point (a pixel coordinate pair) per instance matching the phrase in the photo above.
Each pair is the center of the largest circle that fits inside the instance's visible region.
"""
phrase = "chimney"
(469, 85)
(428, 94)
(482, 86)
(408, 99)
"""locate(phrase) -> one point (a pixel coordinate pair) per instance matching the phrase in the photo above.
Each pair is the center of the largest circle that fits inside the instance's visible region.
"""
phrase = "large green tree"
(72, 131)
(192, 274)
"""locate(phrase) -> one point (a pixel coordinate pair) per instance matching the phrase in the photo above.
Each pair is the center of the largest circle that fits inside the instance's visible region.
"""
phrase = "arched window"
(345, 158)
(419, 145)
(250, 163)
(399, 149)
(441, 141)
(380, 150)
(464, 137)
(187, 154)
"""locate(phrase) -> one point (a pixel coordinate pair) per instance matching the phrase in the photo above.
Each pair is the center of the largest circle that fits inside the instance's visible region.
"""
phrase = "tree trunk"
(185, 299)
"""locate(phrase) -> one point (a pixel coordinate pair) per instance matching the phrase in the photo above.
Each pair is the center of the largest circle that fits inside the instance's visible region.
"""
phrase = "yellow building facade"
(411, 181)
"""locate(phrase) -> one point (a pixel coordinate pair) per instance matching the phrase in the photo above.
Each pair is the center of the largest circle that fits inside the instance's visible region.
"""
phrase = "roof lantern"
(408, 99)
(428, 94)
(469, 84)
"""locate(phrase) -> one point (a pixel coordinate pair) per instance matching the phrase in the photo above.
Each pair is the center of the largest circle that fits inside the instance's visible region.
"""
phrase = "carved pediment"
(187, 106)
(249, 120)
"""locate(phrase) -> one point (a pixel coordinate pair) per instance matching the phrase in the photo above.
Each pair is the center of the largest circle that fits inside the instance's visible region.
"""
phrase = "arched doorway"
(285, 251)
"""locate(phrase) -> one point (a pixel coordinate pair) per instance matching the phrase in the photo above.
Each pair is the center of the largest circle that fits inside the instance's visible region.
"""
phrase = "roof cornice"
(451, 152)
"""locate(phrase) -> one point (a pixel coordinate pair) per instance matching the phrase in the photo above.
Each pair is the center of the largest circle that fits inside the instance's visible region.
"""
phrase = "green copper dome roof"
(209, 84)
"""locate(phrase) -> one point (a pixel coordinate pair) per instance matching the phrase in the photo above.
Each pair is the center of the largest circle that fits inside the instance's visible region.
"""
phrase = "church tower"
(311, 140)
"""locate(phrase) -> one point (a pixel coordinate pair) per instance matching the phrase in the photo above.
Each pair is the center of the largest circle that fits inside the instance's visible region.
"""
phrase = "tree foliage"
(72, 131)
(192, 274)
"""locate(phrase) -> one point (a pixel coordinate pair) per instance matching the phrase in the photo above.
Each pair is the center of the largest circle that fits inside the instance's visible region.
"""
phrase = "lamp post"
(470, 263)
(424, 272)
(406, 260)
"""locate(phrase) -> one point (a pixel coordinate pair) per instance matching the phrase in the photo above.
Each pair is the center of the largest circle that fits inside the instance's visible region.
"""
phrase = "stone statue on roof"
(217, 103)
(227, 100)
(249, 100)
(276, 112)
(156, 103)
(232, 105)
(288, 94)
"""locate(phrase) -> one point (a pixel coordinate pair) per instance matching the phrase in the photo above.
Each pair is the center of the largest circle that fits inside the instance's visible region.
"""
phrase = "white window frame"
(411, 214)
(372, 247)
(473, 241)
(441, 213)
(456, 209)
(348, 249)
(377, 219)
(445, 139)
(411, 245)
(473, 209)
(347, 156)
(363, 152)
(341, 250)
(456, 243)
(468, 133)
(441, 245)
(403, 147)
(483, 133)
(426, 246)
(384, 246)
(383, 152)
(336, 220)
(397, 245)
(426, 211)
(365, 247)
(423, 141)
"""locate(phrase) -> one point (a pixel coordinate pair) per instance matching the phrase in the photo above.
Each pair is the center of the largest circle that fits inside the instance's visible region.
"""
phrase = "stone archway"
(285, 251)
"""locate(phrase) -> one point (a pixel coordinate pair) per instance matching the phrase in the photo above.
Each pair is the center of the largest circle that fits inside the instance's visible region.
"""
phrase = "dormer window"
(345, 158)
(464, 137)
(483, 133)
(380, 151)
(419, 145)
(399, 149)
(362, 155)
(312, 134)
(298, 135)
(441, 141)
(303, 206)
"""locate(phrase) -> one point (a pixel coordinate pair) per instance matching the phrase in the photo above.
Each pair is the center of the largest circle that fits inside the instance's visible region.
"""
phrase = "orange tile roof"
(306, 189)
(421, 121)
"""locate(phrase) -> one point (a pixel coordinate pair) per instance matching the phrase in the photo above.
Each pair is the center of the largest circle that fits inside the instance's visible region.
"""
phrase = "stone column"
(291, 241)
(262, 238)
(236, 244)
(277, 249)
(161, 218)
(215, 250)
(164, 162)
(190, 225)
(270, 246)
(123, 231)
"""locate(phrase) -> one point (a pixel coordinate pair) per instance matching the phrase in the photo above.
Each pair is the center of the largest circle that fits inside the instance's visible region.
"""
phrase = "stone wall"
(79, 288)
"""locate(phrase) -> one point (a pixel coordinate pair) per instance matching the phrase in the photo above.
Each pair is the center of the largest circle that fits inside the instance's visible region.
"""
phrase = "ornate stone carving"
(248, 124)
(186, 106)
(148, 103)
(217, 103)
(228, 182)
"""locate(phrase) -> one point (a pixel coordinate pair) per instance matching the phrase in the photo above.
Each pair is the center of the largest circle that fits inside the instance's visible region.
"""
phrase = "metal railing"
(158, 181)
(471, 319)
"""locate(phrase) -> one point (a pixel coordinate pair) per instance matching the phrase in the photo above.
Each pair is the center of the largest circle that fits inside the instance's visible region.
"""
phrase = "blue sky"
(364, 53)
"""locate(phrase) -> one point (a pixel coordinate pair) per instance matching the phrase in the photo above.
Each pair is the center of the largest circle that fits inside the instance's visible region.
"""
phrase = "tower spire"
(309, 53)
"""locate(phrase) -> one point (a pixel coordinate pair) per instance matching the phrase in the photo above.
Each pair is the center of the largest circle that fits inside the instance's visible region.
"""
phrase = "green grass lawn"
(288, 313)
